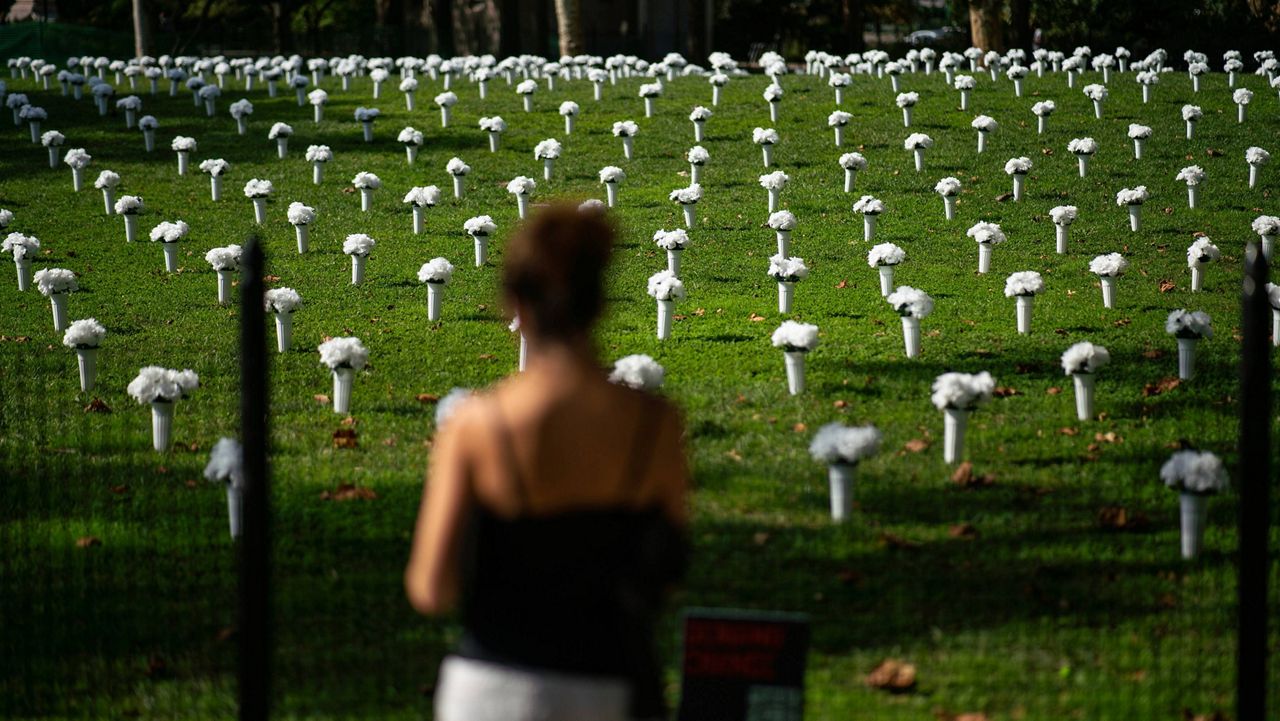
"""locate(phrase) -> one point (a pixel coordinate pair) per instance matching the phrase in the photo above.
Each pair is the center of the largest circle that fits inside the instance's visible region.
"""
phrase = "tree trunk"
(442, 18)
(851, 24)
(985, 24)
(569, 26)
(696, 47)
(1020, 24)
(282, 25)
(141, 29)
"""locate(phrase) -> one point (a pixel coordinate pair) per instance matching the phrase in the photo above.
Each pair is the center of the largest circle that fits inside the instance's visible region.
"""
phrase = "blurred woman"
(554, 511)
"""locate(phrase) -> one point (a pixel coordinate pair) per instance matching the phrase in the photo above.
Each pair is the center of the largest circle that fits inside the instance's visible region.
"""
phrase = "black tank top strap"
(509, 456)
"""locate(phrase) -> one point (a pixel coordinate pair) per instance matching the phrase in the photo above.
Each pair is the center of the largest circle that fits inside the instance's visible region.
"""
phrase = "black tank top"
(576, 591)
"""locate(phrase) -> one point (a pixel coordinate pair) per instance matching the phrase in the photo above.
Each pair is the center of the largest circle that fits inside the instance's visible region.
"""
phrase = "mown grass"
(1045, 614)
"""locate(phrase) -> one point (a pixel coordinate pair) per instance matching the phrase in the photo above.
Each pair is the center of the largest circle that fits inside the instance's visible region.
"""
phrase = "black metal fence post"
(255, 641)
(1254, 487)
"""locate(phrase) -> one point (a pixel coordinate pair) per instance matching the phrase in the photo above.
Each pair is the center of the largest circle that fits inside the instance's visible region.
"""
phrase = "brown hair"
(554, 267)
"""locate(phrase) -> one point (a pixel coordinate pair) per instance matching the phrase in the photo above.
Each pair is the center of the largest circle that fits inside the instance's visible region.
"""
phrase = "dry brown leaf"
(1167, 285)
(754, 318)
(88, 542)
(1122, 322)
(1005, 392)
(893, 540)
(321, 398)
(849, 577)
(679, 316)
(1213, 152)
(120, 489)
(97, 406)
(970, 717)
(893, 676)
(1052, 390)
(842, 284)
(963, 530)
(348, 492)
(345, 438)
(486, 356)
(1153, 354)
(760, 538)
(915, 445)
(1119, 518)
(966, 478)
(1069, 431)
(840, 404)
(734, 455)
(428, 398)
(1108, 437)
(1164, 385)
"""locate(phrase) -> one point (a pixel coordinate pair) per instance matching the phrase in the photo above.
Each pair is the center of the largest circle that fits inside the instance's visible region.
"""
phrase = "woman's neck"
(563, 359)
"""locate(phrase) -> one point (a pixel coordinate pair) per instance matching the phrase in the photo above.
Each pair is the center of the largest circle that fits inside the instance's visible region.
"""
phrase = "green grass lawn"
(1045, 614)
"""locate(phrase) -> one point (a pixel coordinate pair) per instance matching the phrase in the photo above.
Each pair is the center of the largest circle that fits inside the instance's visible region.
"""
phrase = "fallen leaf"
(1069, 431)
(1108, 437)
(840, 404)
(894, 541)
(348, 421)
(97, 406)
(915, 445)
(348, 492)
(799, 428)
(1164, 385)
(700, 312)
(755, 318)
(88, 542)
(1213, 152)
(733, 454)
(1046, 151)
(487, 356)
(120, 489)
(1003, 197)
(1005, 392)
(962, 530)
(272, 278)
(1119, 518)
(1053, 390)
(966, 478)
(849, 577)
(893, 676)
(428, 398)
(1167, 285)
(1168, 210)
(321, 398)
(760, 538)
(1153, 354)
(345, 438)
(842, 284)
(1122, 322)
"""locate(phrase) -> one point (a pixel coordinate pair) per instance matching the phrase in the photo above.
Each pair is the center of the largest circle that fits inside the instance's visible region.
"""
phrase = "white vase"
(184, 162)
(673, 260)
(161, 425)
(568, 125)
(611, 193)
(317, 173)
(984, 257)
(784, 242)
(1084, 394)
(130, 227)
(982, 141)
(1017, 87)
(954, 423)
(1025, 304)
(1187, 358)
(343, 379)
(108, 200)
(58, 302)
(1253, 176)
(628, 146)
(918, 153)
(1194, 510)
(869, 226)
(259, 210)
(774, 194)
(435, 298)
(170, 257)
(457, 186)
(1137, 148)
(494, 139)
(1108, 290)
(1019, 182)
(224, 286)
(1193, 196)
(1041, 121)
(1097, 109)
(528, 103)
(911, 335)
(444, 116)
(648, 107)
(786, 296)
(1083, 159)
(411, 152)
(766, 150)
(886, 280)
(840, 480)
(235, 508)
(715, 95)
(366, 199)
(1146, 94)
(149, 140)
(1197, 278)
(695, 173)
(357, 269)
(1240, 113)
(794, 360)
(964, 99)
(522, 205)
(666, 308)
(481, 248)
(690, 214)
(773, 112)
(906, 117)
(839, 135)
(949, 206)
(77, 179)
(53, 156)
(524, 352)
(367, 128)
(284, 331)
(419, 214)
(698, 130)
(1135, 217)
(87, 360)
(304, 237)
(548, 164)
(282, 147)
(24, 273)
(1061, 234)
(242, 125)
(1191, 128)
(849, 177)
(215, 187)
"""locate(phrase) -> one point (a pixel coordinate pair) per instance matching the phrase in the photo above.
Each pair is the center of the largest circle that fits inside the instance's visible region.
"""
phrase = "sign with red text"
(743, 665)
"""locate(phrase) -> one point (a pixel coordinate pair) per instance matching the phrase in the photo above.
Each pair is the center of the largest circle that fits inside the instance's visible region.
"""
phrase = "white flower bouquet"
(33, 116)
(226, 466)
(885, 257)
(495, 126)
(1042, 111)
(183, 146)
(911, 304)
(1098, 94)
(1256, 158)
(55, 284)
(1195, 475)
(796, 340)
(1084, 150)
(77, 159)
(1018, 169)
(318, 155)
(225, 261)
(1191, 115)
(906, 101)
(258, 190)
(358, 246)
(343, 356)
(419, 199)
(957, 395)
(107, 182)
(1193, 176)
(1188, 327)
(168, 234)
(987, 235)
(161, 388)
(699, 117)
(1108, 267)
(1081, 361)
(665, 288)
(53, 141)
(1063, 216)
(436, 273)
(639, 371)
(787, 272)
(1139, 135)
(782, 222)
(718, 80)
(521, 187)
(838, 82)
(526, 89)
(480, 228)
(852, 163)
(569, 110)
(209, 95)
(282, 303)
(1024, 286)
(650, 91)
(22, 248)
(301, 217)
(280, 133)
(1241, 97)
(366, 183)
(459, 171)
(871, 208)
(241, 110)
(1201, 252)
(765, 138)
(215, 167)
(84, 337)
(674, 242)
(1133, 198)
(366, 118)
(841, 447)
(1147, 79)
(965, 84)
(547, 151)
(774, 183)
(688, 199)
(949, 189)
(985, 125)
(1266, 226)
(837, 120)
